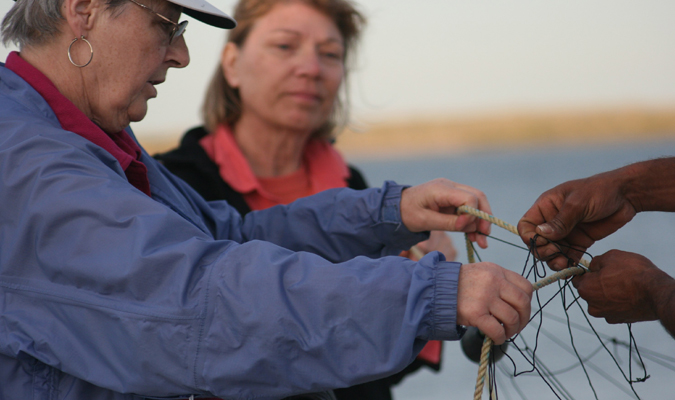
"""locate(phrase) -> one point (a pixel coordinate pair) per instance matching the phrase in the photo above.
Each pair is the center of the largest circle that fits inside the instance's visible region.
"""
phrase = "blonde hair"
(222, 104)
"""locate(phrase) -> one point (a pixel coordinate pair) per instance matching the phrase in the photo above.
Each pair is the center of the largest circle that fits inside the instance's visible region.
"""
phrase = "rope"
(500, 223)
(417, 252)
(487, 342)
(483, 215)
(482, 369)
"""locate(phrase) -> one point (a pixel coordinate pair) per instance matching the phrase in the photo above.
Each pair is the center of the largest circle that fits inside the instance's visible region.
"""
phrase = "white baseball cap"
(205, 12)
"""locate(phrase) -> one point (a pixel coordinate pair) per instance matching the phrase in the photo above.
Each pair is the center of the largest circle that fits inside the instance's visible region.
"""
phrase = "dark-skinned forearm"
(648, 185)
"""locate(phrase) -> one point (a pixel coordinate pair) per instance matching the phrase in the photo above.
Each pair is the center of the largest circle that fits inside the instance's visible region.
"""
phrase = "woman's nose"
(309, 64)
(178, 53)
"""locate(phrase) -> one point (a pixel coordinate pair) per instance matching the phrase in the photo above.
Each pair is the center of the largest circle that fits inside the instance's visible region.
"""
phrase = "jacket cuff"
(444, 306)
(390, 215)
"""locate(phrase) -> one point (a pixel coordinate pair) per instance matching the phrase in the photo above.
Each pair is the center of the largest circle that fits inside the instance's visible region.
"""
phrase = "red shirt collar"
(326, 167)
(120, 145)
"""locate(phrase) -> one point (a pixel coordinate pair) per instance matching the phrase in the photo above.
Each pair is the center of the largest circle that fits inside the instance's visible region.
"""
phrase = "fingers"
(481, 199)
(575, 214)
(408, 254)
(578, 281)
(543, 210)
(597, 263)
(438, 241)
(561, 254)
(553, 215)
(508, 319)
(527, 229)
(433, 206)
(477, 230)
(507, 316)
(561, 225)
(492, 328)
(517, 295)
(474, 224)
(480, 239)
(494, 300)
(518, 281)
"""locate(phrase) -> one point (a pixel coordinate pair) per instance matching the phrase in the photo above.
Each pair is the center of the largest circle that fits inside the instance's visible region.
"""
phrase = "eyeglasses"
(178, 29)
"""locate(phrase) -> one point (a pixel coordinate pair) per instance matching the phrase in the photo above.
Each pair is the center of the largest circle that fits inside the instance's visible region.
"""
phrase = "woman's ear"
(228, 63)
(80, 15)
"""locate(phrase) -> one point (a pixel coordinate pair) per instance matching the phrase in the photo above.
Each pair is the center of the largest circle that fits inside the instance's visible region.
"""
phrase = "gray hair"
(34, 22)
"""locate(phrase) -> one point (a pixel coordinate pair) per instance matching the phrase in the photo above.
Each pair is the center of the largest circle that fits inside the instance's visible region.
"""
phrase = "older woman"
(117, 281)
(271, 112)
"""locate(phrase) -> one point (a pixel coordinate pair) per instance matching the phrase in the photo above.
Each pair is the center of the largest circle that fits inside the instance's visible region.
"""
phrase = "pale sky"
(446, 57)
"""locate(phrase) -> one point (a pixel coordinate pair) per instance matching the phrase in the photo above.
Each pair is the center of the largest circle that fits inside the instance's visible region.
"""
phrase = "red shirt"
(120, 145)
(322, 168)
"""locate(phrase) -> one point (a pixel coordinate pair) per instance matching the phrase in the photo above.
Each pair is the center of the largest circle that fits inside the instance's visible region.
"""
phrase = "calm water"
(512, 181)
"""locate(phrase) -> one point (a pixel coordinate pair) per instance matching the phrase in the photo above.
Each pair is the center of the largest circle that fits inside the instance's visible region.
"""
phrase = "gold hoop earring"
(91, 52)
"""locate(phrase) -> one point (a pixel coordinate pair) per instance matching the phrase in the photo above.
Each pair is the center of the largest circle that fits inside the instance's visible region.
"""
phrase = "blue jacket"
(106, 293)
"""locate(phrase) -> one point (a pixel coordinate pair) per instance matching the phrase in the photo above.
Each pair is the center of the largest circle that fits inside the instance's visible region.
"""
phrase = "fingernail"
(545, 229)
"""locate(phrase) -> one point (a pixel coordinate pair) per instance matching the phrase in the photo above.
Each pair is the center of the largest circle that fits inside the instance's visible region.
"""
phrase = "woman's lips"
(152, 86)
(305, 97)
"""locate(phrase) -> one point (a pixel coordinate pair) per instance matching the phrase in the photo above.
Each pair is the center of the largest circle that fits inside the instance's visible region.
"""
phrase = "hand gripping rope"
(487, 343)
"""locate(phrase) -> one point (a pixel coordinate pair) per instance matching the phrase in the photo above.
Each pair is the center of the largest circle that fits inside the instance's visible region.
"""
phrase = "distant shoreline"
(437, 135)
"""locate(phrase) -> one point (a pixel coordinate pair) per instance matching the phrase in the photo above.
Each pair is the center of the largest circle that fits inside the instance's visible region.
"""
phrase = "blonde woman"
(271, 113)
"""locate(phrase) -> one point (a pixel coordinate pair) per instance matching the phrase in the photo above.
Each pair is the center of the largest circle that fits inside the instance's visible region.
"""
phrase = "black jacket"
(191, 163)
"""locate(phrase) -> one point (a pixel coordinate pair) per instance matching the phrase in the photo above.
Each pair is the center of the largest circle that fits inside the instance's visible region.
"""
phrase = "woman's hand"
(493, 299)
(438, 241)
(433, 206)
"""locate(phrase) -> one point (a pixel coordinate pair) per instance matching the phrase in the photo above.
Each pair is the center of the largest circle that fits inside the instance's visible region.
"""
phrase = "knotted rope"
(487, 343)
